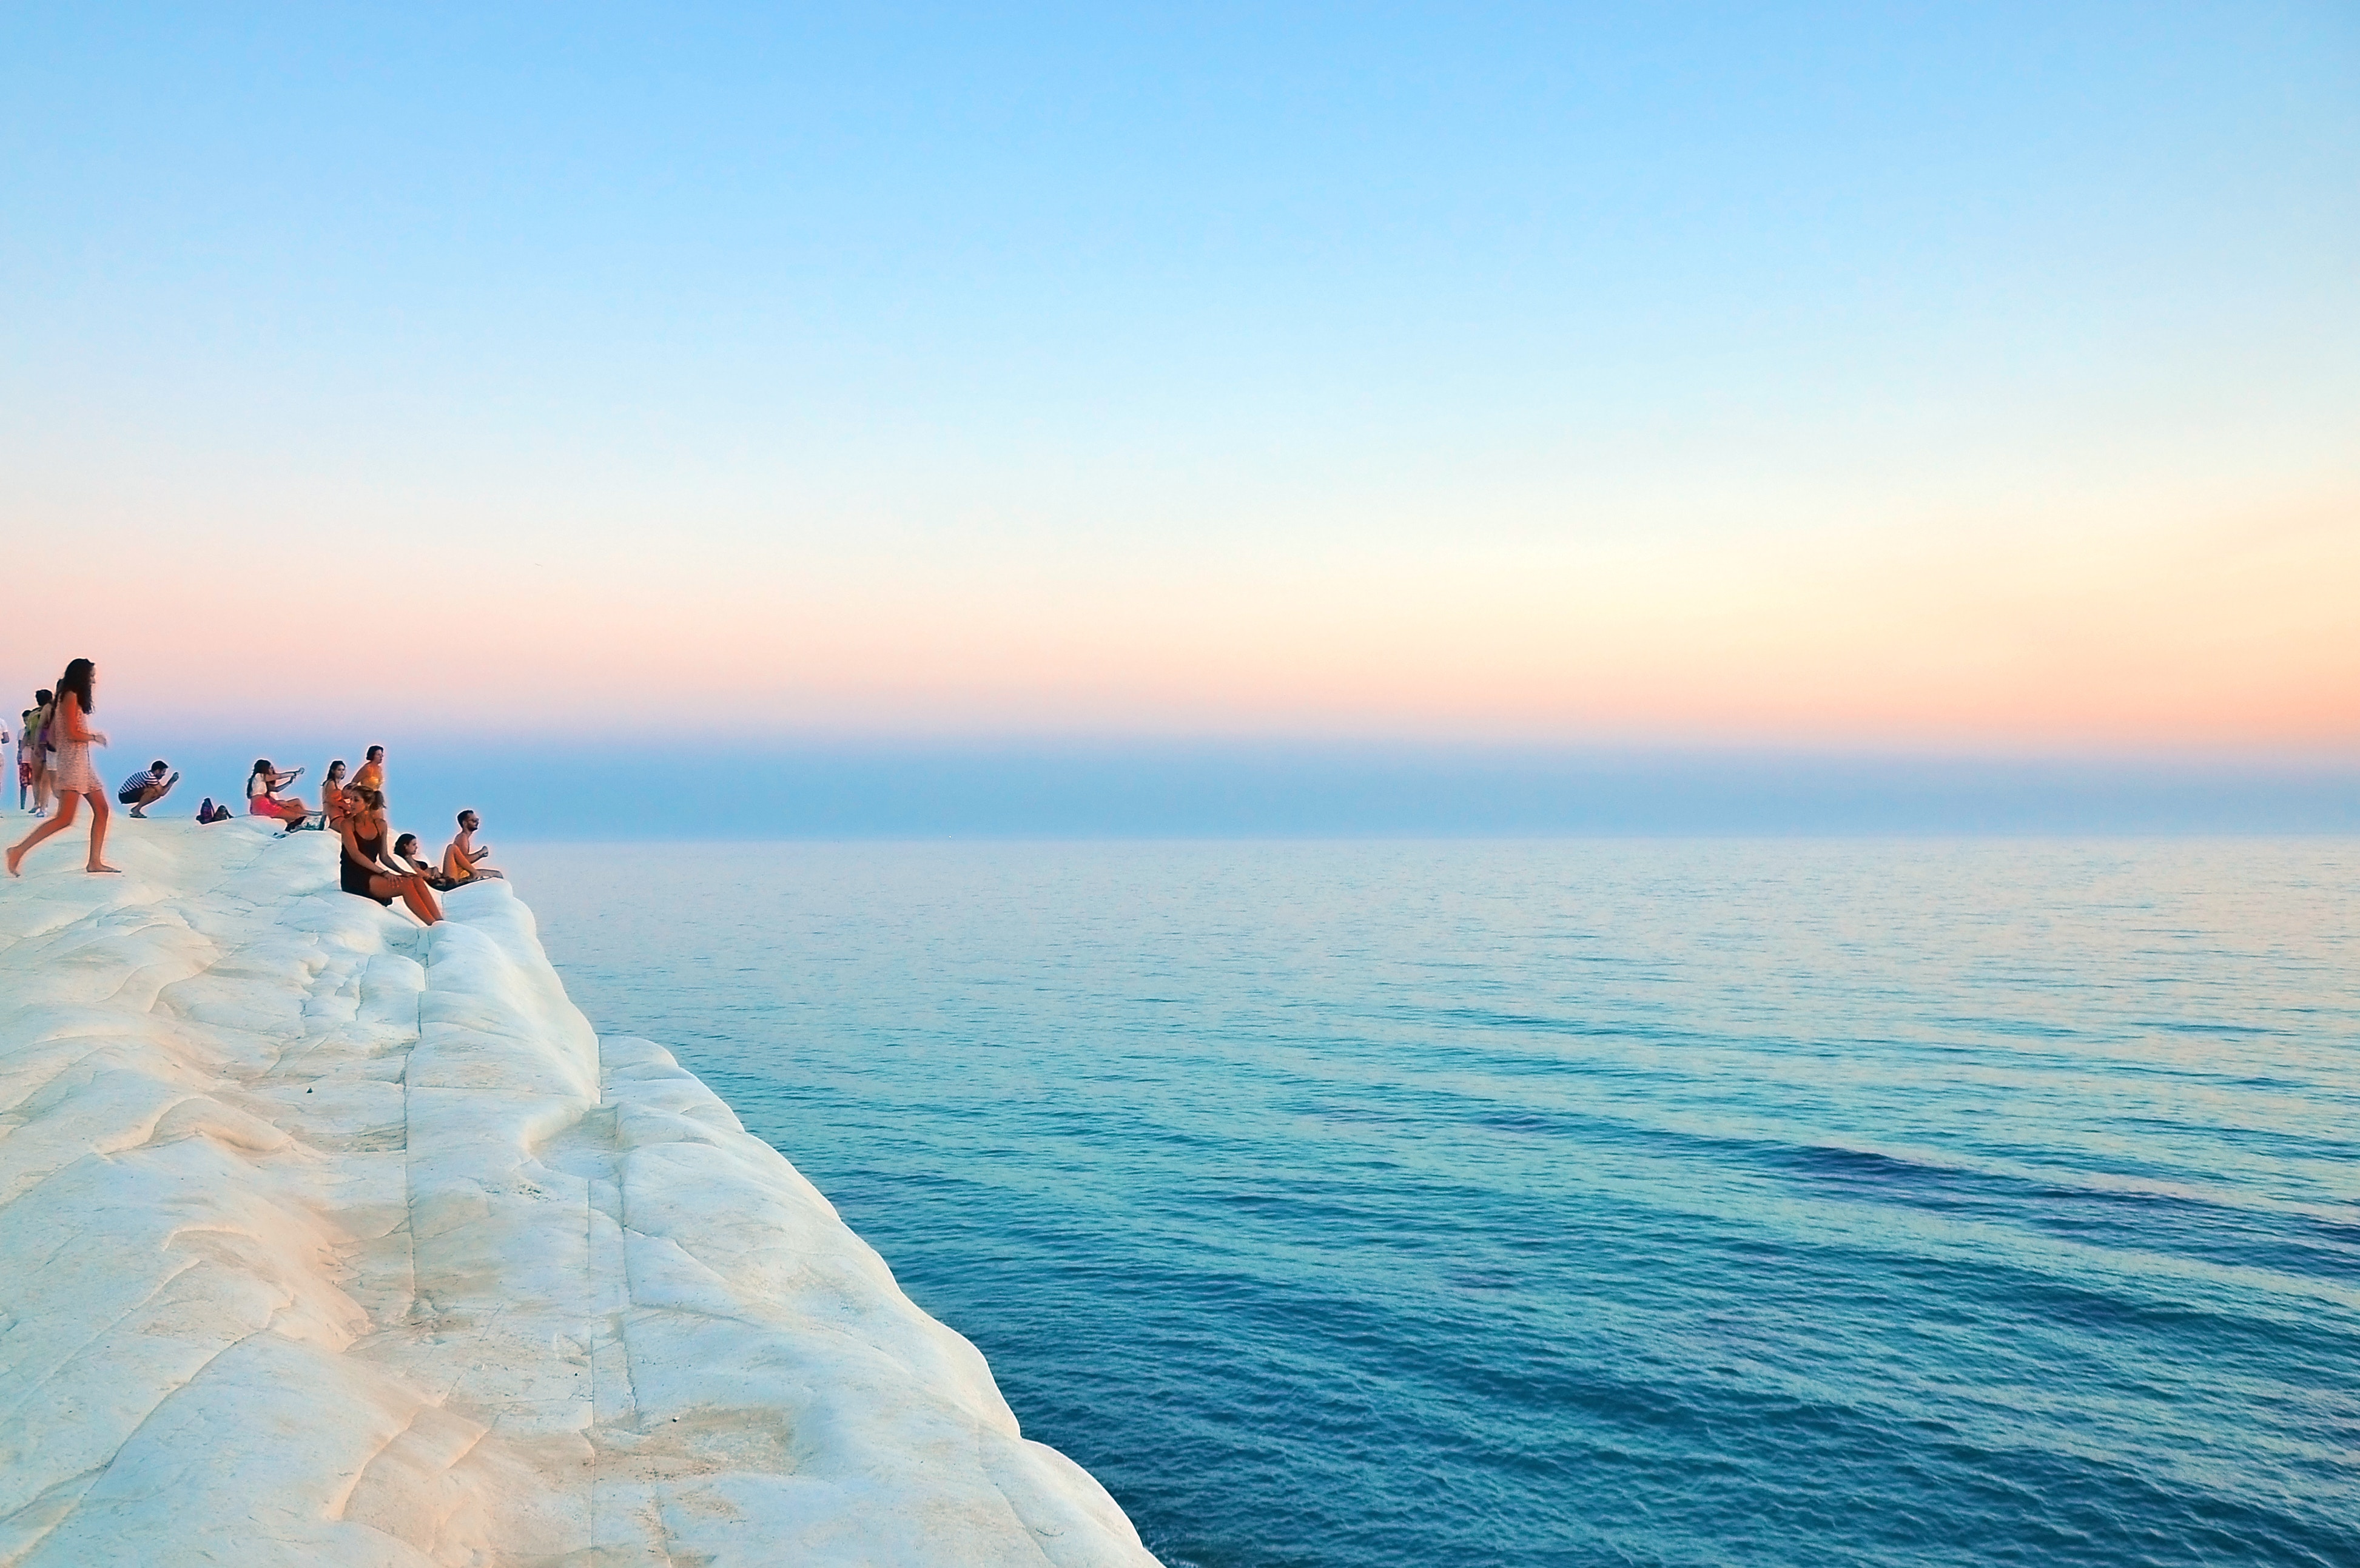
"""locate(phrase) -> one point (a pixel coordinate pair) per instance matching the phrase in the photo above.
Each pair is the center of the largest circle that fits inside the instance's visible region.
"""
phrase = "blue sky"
(982, 233)
(1904, 380)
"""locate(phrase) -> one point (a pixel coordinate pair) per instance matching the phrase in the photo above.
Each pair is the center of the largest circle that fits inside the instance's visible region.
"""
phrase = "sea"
(1412, 1204)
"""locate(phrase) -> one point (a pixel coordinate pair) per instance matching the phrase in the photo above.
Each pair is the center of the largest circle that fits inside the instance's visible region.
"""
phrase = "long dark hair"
(77, 680)
(262, 765)
(336, 768)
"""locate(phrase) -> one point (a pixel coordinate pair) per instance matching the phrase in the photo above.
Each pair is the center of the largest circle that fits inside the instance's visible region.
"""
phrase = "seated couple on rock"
(463, 861)
(334, 792)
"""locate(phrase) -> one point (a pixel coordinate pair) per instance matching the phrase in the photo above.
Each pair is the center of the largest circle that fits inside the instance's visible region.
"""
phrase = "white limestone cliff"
(328, 1240)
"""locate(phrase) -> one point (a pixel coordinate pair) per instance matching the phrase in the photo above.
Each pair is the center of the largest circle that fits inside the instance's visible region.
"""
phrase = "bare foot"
(16, 859)
(109, 871)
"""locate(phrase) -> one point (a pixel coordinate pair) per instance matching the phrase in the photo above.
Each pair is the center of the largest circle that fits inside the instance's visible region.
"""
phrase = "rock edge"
(329, 1240)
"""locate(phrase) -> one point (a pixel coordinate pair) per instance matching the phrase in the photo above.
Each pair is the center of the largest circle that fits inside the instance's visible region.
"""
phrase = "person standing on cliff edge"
(70, 733)
(35, 744)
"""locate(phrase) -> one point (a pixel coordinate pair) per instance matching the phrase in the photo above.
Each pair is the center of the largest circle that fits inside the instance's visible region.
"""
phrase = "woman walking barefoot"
(70, 733)
(364, 867)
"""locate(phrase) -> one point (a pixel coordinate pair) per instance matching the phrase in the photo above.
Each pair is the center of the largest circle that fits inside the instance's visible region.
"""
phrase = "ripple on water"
(1390, 1205)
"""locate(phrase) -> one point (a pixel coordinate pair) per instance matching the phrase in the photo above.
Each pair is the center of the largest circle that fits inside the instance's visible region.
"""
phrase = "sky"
(1902, 381)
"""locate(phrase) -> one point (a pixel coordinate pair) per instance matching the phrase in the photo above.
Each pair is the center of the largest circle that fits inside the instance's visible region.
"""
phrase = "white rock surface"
(328, 1240)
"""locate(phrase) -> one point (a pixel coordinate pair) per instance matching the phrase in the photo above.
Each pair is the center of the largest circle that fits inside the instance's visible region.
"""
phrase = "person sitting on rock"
(463, 862)
(365, 869)
(262, 787)
(331, 797)
(144, 788)
(405, 854)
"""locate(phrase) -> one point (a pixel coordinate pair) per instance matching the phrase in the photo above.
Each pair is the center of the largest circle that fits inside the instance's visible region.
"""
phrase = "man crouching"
(142, 790)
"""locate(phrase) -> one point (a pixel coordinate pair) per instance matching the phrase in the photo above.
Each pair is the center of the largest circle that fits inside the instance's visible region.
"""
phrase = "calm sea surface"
(1409, 1205)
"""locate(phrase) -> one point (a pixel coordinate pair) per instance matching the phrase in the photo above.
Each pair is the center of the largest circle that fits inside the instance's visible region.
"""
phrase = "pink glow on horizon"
(2230, 634)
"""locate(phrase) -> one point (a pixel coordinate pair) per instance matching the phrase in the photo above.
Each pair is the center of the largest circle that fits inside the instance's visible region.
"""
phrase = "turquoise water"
(1398, 1205)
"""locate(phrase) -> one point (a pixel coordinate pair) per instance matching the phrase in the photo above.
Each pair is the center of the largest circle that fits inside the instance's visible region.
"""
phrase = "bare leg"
(98, 817)
(151, 794)
(413, 893)
(49, 829)
(421, 900)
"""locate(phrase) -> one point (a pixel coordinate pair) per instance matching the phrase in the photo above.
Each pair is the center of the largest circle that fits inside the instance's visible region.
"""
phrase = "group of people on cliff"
(354, 811)
(53, 766)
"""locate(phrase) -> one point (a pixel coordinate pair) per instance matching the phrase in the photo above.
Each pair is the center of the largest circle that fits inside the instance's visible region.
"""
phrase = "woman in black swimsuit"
(363, 865)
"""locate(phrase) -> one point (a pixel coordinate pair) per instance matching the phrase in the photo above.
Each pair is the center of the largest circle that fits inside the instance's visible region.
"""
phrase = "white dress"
(74, 775)
(70, 774)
